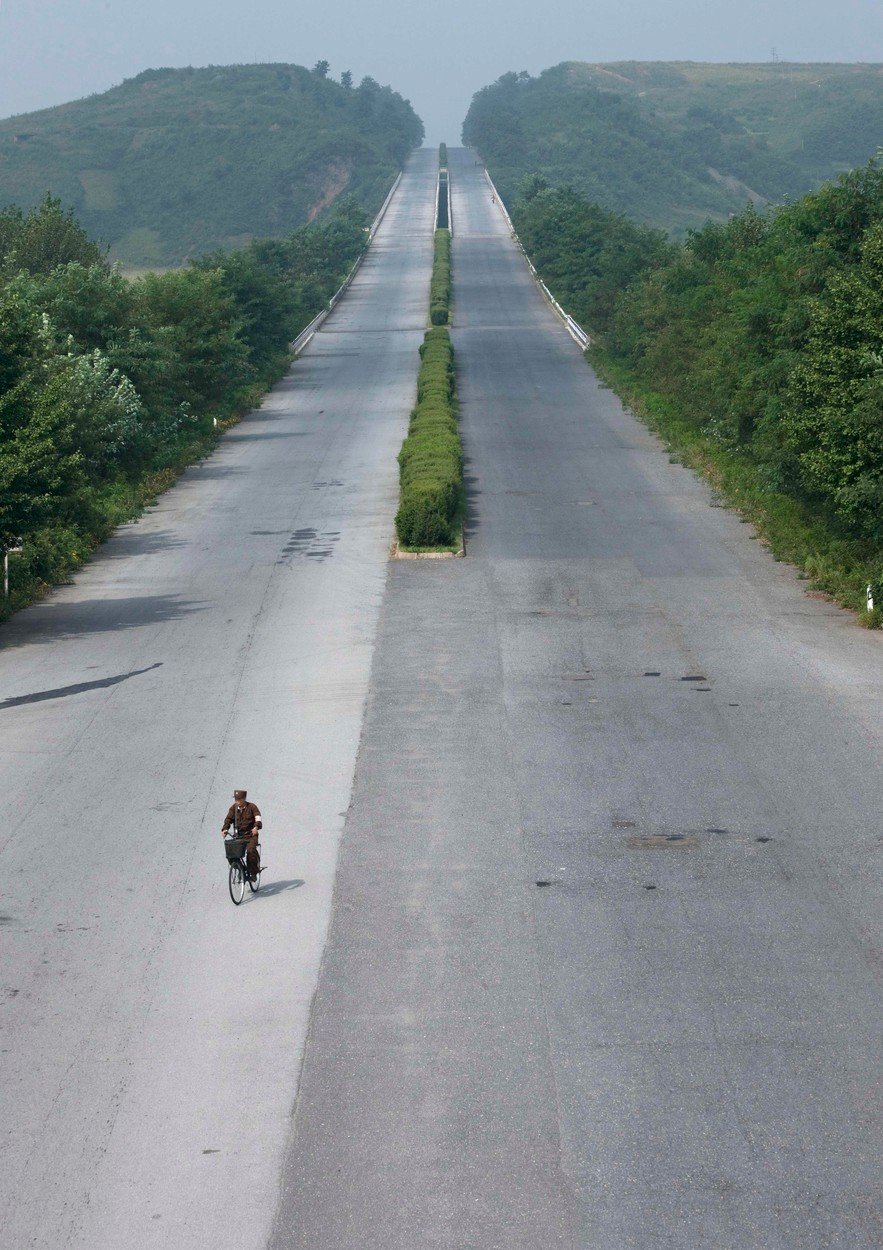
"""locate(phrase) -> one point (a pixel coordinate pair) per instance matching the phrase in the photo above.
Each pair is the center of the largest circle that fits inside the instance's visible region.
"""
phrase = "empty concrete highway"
(604, 967)
(570, 935)
(151, 1032)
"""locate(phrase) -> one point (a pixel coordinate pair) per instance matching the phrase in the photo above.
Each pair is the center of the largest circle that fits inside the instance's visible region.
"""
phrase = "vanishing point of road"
(571, 932)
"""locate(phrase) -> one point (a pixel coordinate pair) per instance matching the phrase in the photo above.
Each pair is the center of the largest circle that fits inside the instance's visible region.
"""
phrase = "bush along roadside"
(753, 348)
(109, 388)
(796, 531)
(431, 460)
(440, 286)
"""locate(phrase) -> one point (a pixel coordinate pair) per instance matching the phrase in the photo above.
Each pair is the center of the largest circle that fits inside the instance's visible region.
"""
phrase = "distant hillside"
(178, 161)
(671, 144)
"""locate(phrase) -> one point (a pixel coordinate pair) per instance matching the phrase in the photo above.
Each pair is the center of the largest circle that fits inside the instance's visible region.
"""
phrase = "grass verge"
(834, 563)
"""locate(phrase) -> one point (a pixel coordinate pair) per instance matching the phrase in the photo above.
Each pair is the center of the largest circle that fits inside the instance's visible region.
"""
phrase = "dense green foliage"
(440, 284)
(108, 387)
(431, 459)
(442, 156)
(674, 144)
(758, 343)
(585, 253)
(176, 162)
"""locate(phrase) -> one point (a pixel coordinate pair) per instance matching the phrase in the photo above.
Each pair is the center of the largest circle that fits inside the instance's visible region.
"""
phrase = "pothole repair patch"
(660, 841)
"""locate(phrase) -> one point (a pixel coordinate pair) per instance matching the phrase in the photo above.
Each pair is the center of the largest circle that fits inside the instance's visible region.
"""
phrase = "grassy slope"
(176, 162)
(672, 144)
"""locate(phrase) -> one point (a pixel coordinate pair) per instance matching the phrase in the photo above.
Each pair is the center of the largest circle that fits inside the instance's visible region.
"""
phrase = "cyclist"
(245, 819)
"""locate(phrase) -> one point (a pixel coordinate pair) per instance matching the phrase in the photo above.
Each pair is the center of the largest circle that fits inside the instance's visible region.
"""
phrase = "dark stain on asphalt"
(309, 543)
(659, 841)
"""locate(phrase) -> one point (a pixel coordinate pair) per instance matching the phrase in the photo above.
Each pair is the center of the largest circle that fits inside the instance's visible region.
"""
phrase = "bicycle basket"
(235, 847)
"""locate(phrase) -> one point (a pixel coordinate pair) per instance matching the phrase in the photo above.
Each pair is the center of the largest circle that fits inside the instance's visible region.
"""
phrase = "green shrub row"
(431, 459)
(442, 156)
(109, 388)
(440, 286)
(754, 347)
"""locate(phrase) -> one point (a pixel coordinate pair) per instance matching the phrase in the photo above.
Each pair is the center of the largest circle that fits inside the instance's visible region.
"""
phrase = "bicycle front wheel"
(237, 882)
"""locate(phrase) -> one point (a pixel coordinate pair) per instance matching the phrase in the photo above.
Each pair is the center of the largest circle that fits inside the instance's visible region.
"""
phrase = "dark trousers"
(252, 854)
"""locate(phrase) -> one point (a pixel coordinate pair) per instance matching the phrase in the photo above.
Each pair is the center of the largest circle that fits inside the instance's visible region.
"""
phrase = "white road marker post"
(870, 597)
(14, 549)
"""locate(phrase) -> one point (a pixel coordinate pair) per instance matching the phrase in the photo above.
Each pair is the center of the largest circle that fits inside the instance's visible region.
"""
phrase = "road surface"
(604, 965)
(151, 1032)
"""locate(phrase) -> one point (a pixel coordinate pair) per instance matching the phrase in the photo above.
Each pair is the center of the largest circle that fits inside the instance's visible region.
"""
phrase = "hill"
(673, 144)
(175, 162)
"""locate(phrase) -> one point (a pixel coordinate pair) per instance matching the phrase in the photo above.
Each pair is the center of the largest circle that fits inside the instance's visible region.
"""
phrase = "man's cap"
(239, 794)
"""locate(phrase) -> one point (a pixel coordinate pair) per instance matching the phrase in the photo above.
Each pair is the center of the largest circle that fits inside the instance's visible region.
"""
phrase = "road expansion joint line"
(245, 650)
(76, 1217)
(307, 1045)
(244, 657)
(509, 738)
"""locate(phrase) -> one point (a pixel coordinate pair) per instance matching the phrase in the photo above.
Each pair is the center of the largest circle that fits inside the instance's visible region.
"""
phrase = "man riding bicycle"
(245, 820)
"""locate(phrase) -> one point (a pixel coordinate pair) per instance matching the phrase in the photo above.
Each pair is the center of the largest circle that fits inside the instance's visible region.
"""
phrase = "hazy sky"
(437, 54)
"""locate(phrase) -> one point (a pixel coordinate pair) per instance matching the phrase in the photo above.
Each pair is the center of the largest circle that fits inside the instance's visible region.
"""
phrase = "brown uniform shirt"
(243, 818)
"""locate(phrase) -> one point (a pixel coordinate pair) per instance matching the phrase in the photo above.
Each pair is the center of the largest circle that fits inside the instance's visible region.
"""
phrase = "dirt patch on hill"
(336, 183)
(740, 188)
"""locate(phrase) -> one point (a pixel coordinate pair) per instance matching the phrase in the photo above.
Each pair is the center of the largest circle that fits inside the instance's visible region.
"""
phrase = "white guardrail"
(308, 331)
(574, 329)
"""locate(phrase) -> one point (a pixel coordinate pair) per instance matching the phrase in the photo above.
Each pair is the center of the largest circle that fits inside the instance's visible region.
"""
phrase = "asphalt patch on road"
(310, 543)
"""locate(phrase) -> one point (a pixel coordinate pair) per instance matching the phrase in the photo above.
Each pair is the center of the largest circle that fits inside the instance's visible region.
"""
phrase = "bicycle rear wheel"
(237, 881)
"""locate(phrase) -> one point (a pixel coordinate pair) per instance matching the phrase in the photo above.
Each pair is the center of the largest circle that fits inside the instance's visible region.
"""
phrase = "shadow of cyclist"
(279, 887)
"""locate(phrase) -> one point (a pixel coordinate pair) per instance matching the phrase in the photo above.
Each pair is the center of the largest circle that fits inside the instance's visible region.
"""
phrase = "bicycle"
(235, 851)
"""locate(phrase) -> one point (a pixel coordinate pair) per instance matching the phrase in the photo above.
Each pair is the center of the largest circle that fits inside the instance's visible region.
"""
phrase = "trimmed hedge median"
(431, 459)
(440, 286)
